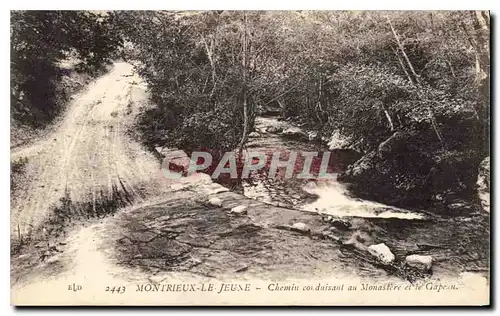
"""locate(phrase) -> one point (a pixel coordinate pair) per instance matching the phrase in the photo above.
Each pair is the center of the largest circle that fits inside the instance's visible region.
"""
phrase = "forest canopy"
(364, 73)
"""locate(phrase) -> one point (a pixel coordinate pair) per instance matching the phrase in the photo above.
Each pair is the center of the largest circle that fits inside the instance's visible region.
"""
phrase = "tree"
(40, 39)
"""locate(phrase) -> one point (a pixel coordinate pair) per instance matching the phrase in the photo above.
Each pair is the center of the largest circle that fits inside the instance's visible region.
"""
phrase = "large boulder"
(300, 227)
(483, 184)
(382, 252)
(409, 170)
(342, 147)
(215, 201)
(420, 262)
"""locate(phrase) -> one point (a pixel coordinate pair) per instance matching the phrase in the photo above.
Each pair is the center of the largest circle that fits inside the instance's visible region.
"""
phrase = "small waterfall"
(334, 199)
(332, 196)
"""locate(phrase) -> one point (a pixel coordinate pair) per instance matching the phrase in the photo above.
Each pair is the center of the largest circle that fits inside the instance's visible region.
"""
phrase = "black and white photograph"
(273, 157)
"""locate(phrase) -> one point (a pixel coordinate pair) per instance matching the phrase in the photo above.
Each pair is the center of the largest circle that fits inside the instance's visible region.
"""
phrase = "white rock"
(53, 259)
(301, 227)
(382, 252)
(215, 201)
(420, 262)
(241, 209)
(254, 135)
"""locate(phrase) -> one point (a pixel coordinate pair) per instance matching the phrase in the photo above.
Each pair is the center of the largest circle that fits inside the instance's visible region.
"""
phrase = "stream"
(457, 243)
(326, 196)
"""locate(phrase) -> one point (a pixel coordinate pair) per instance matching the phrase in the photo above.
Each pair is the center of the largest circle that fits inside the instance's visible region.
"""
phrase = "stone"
(274, 129)
(483, 184)
(419, 262)
(53, 259)
(341, 224)
(215, 201)
(382, 252)
(294, 132)
(240, 210)
(159, 150)
(254, 135)
(326, 219)
(362, 166)
(301, 227)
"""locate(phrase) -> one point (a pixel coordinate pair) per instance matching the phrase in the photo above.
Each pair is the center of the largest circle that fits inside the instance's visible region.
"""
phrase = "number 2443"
(116, 289)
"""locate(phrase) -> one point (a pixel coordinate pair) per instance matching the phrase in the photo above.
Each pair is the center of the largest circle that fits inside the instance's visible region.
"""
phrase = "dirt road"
(88, 158)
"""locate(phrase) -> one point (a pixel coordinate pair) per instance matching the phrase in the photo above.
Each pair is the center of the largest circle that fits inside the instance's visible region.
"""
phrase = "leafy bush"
(194, 107)
(41, 39)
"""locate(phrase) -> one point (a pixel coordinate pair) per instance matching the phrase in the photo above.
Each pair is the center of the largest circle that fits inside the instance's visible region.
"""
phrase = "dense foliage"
(41, 39)
(368, 76)
(200, 73)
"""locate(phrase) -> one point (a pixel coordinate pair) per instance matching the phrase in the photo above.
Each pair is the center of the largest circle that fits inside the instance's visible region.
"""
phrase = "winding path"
(88, 156)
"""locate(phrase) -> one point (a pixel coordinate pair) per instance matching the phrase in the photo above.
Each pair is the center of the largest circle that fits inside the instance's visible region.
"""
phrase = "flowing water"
(457, 243)
(326, 196)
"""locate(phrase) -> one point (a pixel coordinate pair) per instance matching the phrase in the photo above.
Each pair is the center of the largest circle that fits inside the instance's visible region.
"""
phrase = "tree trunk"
(244, 89)
(210, 51)
(403, 66)
(389, 119)
(403, 52)
(432, 118)
(482, 33)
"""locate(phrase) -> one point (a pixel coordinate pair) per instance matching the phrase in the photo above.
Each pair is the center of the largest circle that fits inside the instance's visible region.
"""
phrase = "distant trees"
(373, 72)
(40, 39)
(366, 74)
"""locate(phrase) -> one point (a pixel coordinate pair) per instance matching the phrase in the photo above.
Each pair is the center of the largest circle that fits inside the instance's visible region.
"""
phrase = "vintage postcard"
(250, 158)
